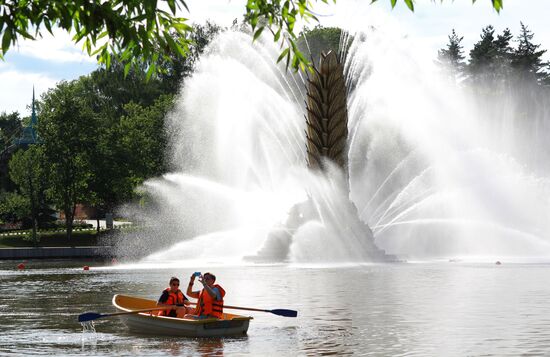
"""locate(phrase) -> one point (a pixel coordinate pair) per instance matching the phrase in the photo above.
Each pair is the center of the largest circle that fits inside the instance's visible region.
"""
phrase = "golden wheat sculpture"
(327, 115)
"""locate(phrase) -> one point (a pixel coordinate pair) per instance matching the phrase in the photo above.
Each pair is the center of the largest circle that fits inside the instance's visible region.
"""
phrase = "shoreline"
(55, 252)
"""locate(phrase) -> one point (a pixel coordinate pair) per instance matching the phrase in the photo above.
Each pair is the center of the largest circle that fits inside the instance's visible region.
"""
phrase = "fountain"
(420, 166)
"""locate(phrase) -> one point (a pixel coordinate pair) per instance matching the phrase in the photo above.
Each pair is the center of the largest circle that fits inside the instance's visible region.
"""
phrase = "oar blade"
(88, 316)
(284, 312)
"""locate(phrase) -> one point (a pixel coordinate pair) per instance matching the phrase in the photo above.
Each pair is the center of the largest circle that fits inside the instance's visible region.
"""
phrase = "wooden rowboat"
(150, 324)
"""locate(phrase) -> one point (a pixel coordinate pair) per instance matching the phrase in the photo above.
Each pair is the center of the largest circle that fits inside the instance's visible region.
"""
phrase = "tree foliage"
(10, 128)
(180, 67)
(318, 39)
(452, 57)
(27, 171)
(135, 31)
(68, 130)
(527, 58)
(103, 134)
(508, 79)
(13, 207)
(494, 59)
(140, 33)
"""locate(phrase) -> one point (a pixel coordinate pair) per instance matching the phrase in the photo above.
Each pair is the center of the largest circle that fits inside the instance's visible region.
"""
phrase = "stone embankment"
(55, 252)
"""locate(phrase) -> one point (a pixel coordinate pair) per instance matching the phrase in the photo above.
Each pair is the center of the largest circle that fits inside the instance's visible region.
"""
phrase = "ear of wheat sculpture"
(326, 141)
(327, 114)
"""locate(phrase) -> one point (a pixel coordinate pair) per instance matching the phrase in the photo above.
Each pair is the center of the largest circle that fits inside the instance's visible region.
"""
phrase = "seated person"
(172, 295)
(210, 298)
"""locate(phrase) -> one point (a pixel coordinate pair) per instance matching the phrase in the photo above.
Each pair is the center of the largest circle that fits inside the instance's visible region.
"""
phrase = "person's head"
(209, 278)
(174, 283)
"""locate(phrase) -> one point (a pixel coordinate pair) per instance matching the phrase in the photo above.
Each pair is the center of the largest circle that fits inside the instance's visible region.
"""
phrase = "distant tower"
(29, 136)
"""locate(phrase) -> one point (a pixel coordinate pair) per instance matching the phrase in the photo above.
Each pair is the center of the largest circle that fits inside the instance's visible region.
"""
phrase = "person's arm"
(186, 301)
(218, 294)
(213, 292)
(190, 292)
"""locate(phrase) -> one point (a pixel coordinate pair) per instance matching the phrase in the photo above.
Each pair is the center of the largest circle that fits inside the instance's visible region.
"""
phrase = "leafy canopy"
(131, 30)
(142, 31)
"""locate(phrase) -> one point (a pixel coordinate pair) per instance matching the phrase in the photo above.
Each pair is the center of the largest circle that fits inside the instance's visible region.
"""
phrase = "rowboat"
(150, 324)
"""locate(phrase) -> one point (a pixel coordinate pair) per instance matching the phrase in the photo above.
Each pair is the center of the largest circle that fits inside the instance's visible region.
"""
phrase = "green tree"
(68, 128)
(181, 67)
(144, 139)
(503, 56)
(109, 89)
(482, 57)
(27, 172)
(13, 207)
(10, 128)
(452, 57)
(138, 32)
(314, 41)
(527, 59)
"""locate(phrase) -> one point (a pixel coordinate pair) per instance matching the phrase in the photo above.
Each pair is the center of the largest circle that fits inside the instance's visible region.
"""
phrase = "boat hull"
(150, 324)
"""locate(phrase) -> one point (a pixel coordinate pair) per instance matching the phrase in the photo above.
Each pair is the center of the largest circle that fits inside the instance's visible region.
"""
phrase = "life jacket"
(173, 299)
(208, 306)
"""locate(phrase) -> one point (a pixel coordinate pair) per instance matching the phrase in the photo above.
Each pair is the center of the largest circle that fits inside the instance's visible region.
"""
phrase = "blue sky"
(45, 62)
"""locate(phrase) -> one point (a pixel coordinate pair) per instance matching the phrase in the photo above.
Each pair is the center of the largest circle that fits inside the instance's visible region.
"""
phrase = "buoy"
(86, 267)
(498, 262)
(20, 266)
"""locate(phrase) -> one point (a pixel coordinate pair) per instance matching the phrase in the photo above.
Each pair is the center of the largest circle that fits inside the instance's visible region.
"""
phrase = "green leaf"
(127, 68)
(107, 59)
(184, 5)
(277, 36)
(258, 33)
(410, 4)
(283, 54)
(172, 5)
(87, 45)
(393, 2)
(150, 71)
(6, 40)
(173, 45)
(25, 34)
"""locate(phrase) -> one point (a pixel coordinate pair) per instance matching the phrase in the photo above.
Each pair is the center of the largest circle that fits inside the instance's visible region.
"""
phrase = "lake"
(413, 309)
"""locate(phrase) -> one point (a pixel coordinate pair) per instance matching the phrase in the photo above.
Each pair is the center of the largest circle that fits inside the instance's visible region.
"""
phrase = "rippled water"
(383, 310)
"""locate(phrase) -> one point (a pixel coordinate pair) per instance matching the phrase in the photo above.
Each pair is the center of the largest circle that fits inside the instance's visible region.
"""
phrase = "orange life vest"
(173, 299)
(207, 305)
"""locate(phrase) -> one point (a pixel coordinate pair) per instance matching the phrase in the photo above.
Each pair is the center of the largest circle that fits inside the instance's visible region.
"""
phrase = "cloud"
(19, 89)
(57, 48)
(222, 12)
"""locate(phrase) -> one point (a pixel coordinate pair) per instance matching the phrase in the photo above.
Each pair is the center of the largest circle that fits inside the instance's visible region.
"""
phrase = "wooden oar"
(280, 312)
(88, 316)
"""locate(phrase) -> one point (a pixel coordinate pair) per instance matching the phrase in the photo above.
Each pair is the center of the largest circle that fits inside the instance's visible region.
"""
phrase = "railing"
(61, 230)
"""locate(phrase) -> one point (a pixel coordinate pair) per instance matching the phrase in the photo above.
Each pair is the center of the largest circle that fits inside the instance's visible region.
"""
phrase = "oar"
(88, 316)
(280, 312)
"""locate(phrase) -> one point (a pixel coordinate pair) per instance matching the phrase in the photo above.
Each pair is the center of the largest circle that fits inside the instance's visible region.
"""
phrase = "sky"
(43, 63)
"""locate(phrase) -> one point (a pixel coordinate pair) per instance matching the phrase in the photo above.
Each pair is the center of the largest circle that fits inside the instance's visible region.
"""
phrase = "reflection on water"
(389, 309)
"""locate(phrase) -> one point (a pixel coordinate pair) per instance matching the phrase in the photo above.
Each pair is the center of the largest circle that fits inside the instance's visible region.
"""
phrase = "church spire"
(34, 120)
(29, 136)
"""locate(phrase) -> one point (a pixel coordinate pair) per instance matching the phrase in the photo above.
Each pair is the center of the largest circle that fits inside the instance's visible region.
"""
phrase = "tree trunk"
(33, 211)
